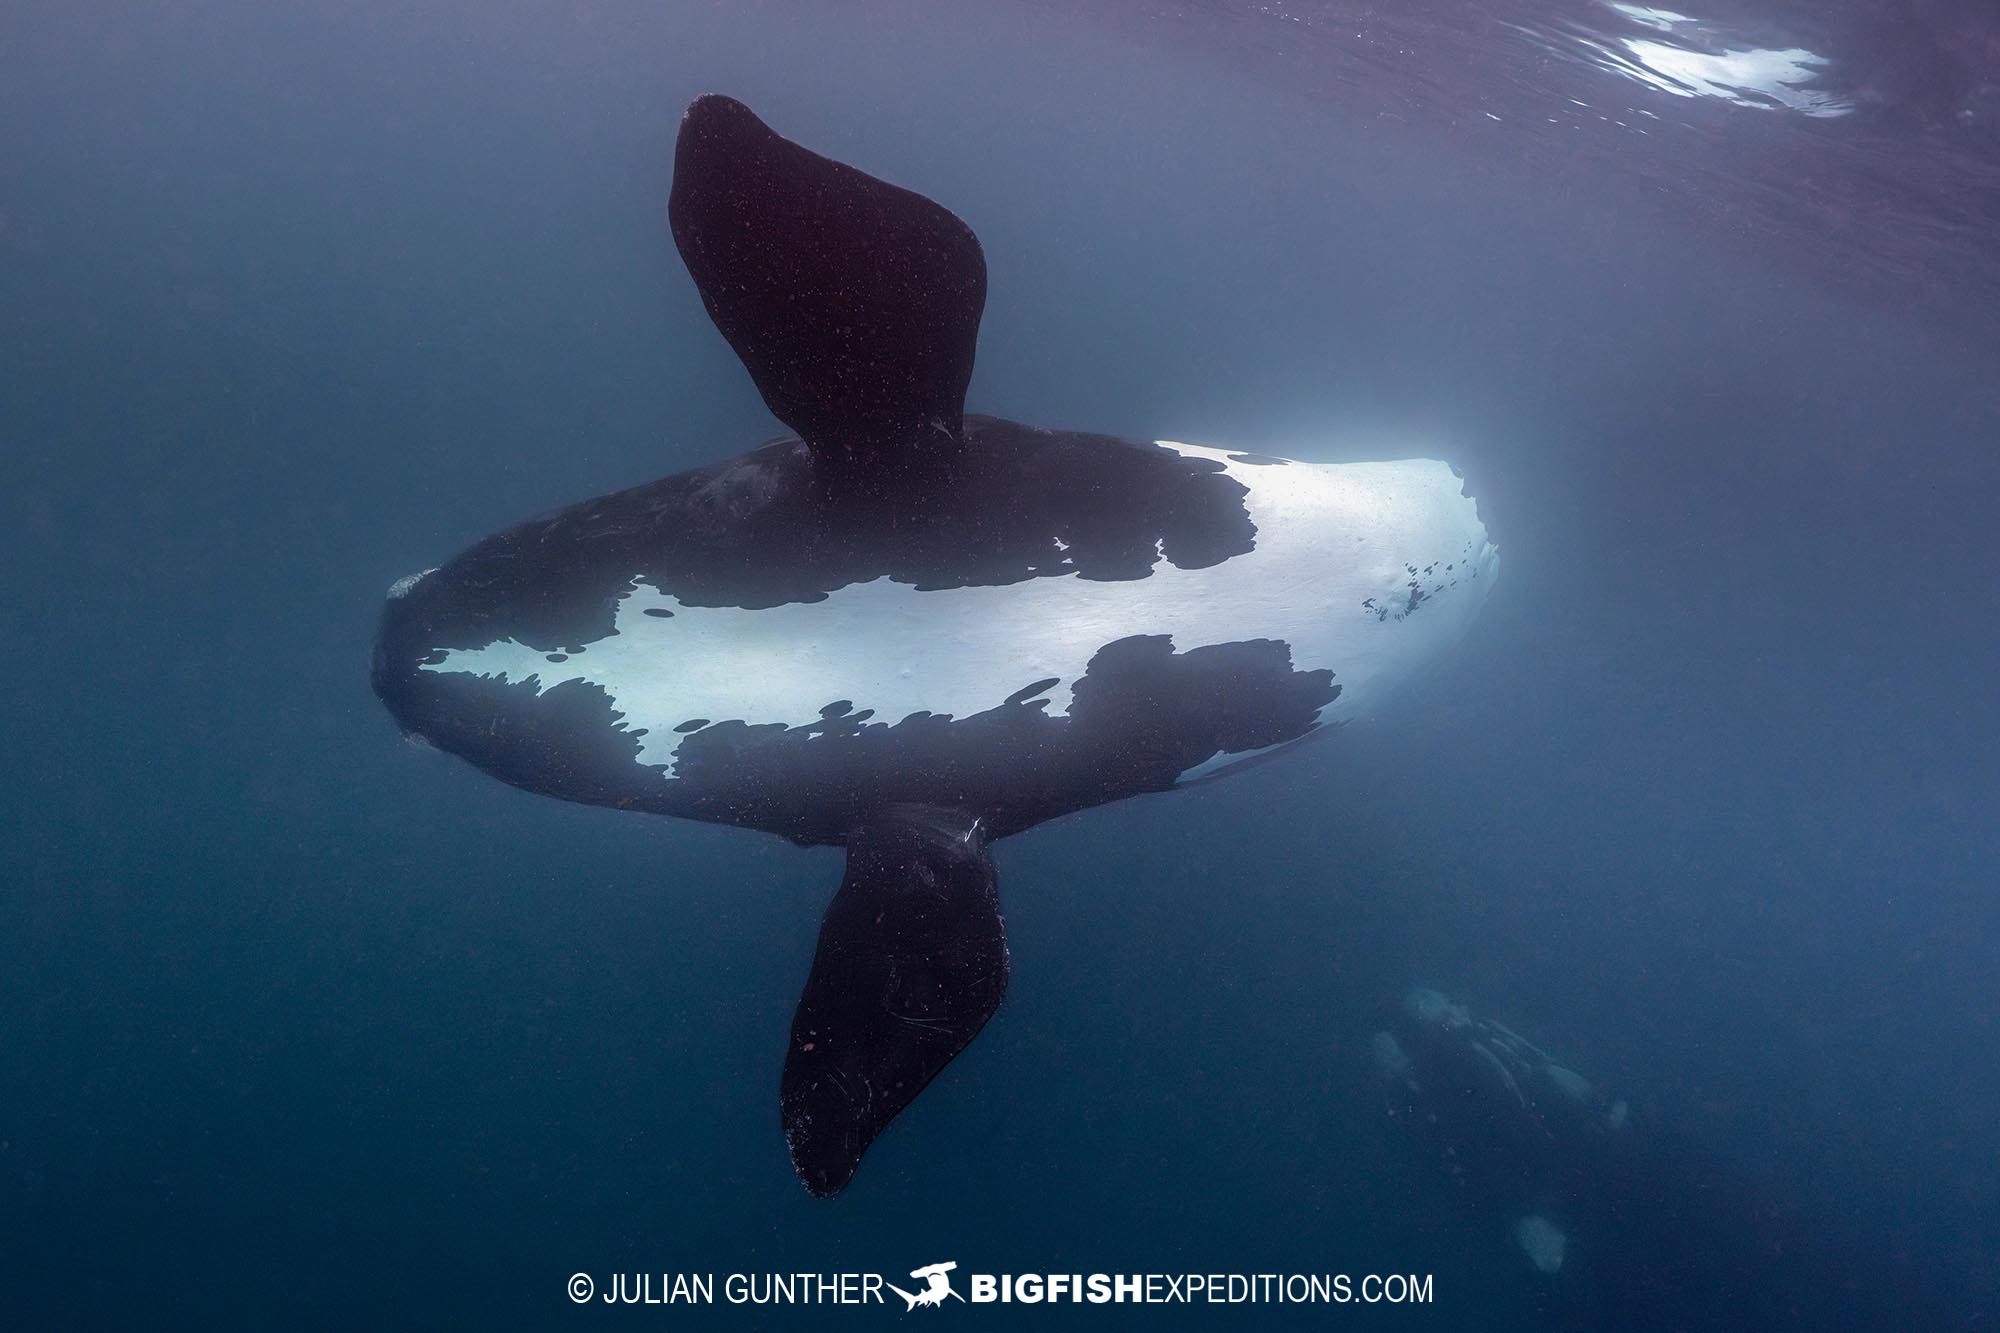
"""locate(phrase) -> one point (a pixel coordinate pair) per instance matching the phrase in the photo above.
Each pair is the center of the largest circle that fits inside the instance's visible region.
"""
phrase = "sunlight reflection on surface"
(1770, 78)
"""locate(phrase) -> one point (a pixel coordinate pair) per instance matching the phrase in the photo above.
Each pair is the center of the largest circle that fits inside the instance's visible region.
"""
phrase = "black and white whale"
(907, 631)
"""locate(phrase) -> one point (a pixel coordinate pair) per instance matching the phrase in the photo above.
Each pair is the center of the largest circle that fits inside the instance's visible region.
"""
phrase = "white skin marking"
(1329, 538)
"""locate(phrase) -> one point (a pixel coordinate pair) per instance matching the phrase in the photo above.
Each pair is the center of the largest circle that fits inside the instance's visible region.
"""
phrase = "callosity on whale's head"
(909, 631)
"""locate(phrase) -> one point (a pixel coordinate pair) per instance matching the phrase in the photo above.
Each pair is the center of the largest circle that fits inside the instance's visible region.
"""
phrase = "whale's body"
(909, 631)
(708, 646)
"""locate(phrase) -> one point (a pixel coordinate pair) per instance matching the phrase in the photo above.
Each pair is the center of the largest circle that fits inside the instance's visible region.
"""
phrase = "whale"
(906, 630)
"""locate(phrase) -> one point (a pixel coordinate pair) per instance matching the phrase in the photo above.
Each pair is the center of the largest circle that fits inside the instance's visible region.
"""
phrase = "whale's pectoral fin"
(854, 303)
(912, 961)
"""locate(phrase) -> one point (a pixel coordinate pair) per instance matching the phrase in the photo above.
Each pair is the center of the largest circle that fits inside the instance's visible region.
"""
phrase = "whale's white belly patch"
(1365, 569)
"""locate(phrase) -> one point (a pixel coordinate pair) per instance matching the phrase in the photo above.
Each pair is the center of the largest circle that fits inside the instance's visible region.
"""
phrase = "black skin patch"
(1414, 594)
(761, 530)
(1027, 692)
(1139, 717)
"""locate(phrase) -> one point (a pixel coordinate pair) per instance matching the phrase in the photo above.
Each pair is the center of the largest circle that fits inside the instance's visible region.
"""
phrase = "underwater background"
(309, 1028)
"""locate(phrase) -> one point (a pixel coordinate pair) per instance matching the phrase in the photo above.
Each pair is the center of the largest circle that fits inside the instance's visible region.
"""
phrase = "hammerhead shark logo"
(937, 1286)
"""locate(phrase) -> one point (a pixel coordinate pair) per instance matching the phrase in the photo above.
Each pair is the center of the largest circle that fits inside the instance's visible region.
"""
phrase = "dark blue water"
(308, 1028)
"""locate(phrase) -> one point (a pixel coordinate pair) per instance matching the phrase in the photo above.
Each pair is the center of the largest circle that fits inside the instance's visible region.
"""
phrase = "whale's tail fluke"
(912, 961)
(854, 303)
